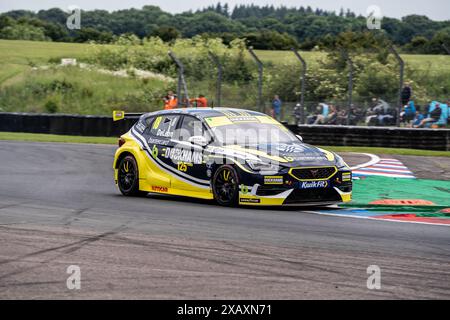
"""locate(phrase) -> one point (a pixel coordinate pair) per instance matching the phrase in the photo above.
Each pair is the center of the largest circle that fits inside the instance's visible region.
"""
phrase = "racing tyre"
(225, 186)
(128, 177)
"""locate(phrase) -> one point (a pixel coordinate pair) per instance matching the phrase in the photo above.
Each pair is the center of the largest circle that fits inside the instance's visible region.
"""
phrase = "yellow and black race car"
(234, 156)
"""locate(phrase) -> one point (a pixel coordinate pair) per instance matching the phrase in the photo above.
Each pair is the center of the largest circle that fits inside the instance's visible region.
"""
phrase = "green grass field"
(17, 56)
(35, 137)
(65, 89)
(72, 90)
(434, 64)
(13, 136)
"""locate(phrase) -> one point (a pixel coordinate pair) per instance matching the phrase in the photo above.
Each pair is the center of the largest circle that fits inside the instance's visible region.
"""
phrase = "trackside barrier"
(383, 137)
(103, 126)
(75, 125)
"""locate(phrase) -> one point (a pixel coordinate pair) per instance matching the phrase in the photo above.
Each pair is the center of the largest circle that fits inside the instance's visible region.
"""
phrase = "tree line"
(264, 27)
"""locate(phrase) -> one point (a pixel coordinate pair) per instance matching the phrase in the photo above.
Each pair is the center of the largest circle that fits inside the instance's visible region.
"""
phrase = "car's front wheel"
(225, 186)
(128, 177)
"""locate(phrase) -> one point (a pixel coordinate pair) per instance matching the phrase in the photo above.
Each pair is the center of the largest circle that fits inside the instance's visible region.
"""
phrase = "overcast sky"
(435, 9)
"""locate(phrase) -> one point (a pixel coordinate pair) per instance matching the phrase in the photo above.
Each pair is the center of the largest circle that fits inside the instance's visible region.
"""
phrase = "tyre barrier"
(103, 126)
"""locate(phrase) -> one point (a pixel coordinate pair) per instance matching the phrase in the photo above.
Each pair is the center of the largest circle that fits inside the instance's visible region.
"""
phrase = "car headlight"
(340, 163)
(260, 166)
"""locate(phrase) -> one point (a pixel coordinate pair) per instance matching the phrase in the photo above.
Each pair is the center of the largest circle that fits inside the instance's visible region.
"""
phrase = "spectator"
(342, 117)
(200, 102)
(276, 108)
(372, 112)
(434, 115)
(297, 113)
(418, 118)
(406, 94)
(356, 115)
(329, 118)
(408, 113)
(321, 110)
(380, 114)
(170, 101)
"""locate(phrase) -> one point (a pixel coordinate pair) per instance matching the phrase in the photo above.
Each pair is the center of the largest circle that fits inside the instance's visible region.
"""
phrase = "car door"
(158, 136)
(188, 157)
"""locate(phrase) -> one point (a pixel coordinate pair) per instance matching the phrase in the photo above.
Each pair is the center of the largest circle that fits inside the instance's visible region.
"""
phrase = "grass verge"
(36, 137)
(18, 136)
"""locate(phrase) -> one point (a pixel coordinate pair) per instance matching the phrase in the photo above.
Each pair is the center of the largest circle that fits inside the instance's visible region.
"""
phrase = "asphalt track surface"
(59, 207)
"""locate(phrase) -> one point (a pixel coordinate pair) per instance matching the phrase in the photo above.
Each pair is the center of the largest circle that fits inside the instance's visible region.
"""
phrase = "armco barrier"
(102, 126)
(407, 138)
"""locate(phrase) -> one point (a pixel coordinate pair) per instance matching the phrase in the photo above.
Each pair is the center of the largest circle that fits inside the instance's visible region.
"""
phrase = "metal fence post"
(402, 74)
(350, 88)
(216, 60)
(260, 77)
(181, 80)
(303, 85)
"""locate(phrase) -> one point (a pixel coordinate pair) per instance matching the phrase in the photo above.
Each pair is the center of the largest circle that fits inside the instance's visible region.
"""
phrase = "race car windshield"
(246, 134)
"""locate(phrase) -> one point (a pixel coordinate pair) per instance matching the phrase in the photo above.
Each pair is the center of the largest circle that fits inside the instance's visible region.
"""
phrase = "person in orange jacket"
(170, 101)
(201, 101)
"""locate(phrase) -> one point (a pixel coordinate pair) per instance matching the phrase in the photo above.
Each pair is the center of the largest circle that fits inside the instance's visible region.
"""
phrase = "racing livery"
(234, 156)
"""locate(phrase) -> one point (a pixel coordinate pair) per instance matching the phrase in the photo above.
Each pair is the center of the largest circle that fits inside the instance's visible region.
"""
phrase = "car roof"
(203, 113)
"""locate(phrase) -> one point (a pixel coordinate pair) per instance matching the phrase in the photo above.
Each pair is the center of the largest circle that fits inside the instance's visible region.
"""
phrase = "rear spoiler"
(120, 115)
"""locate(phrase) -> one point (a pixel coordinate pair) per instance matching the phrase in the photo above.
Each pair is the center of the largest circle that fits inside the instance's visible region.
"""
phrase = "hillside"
(31, 81)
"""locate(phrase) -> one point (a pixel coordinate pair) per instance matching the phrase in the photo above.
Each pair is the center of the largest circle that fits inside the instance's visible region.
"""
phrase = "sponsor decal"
(160, 189)
(273, 180)
(290, 148)
(184, 155)
(346, 177)
(240, 116)
(183, 167)
(244, 189)
(247, 200)
(305, 159)
(163, 133)
(314, 185)
(140, 127)
(155, 152)
(242, 119)
(157, 141)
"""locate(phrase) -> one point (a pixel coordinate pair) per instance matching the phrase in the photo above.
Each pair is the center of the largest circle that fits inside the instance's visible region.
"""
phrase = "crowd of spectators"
(380, 113)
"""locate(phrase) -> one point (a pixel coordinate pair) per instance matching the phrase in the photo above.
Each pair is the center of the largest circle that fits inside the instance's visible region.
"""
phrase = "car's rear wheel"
(225, 186)
(128, 177)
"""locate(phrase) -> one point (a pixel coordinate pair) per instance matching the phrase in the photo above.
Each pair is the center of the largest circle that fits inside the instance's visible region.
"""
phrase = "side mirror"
(299, 137)
(198, 140)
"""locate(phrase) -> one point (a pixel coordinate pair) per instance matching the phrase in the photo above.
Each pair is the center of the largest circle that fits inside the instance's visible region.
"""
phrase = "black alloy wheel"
(226, 186)
(128, 177)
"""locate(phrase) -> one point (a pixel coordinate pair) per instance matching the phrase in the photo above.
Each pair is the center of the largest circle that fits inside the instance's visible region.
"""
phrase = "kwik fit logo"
(314, 185)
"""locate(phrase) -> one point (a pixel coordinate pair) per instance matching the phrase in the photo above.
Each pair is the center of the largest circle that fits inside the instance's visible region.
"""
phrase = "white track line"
(389, 166)
(378, 169)
(375, 219)
(374, 159)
